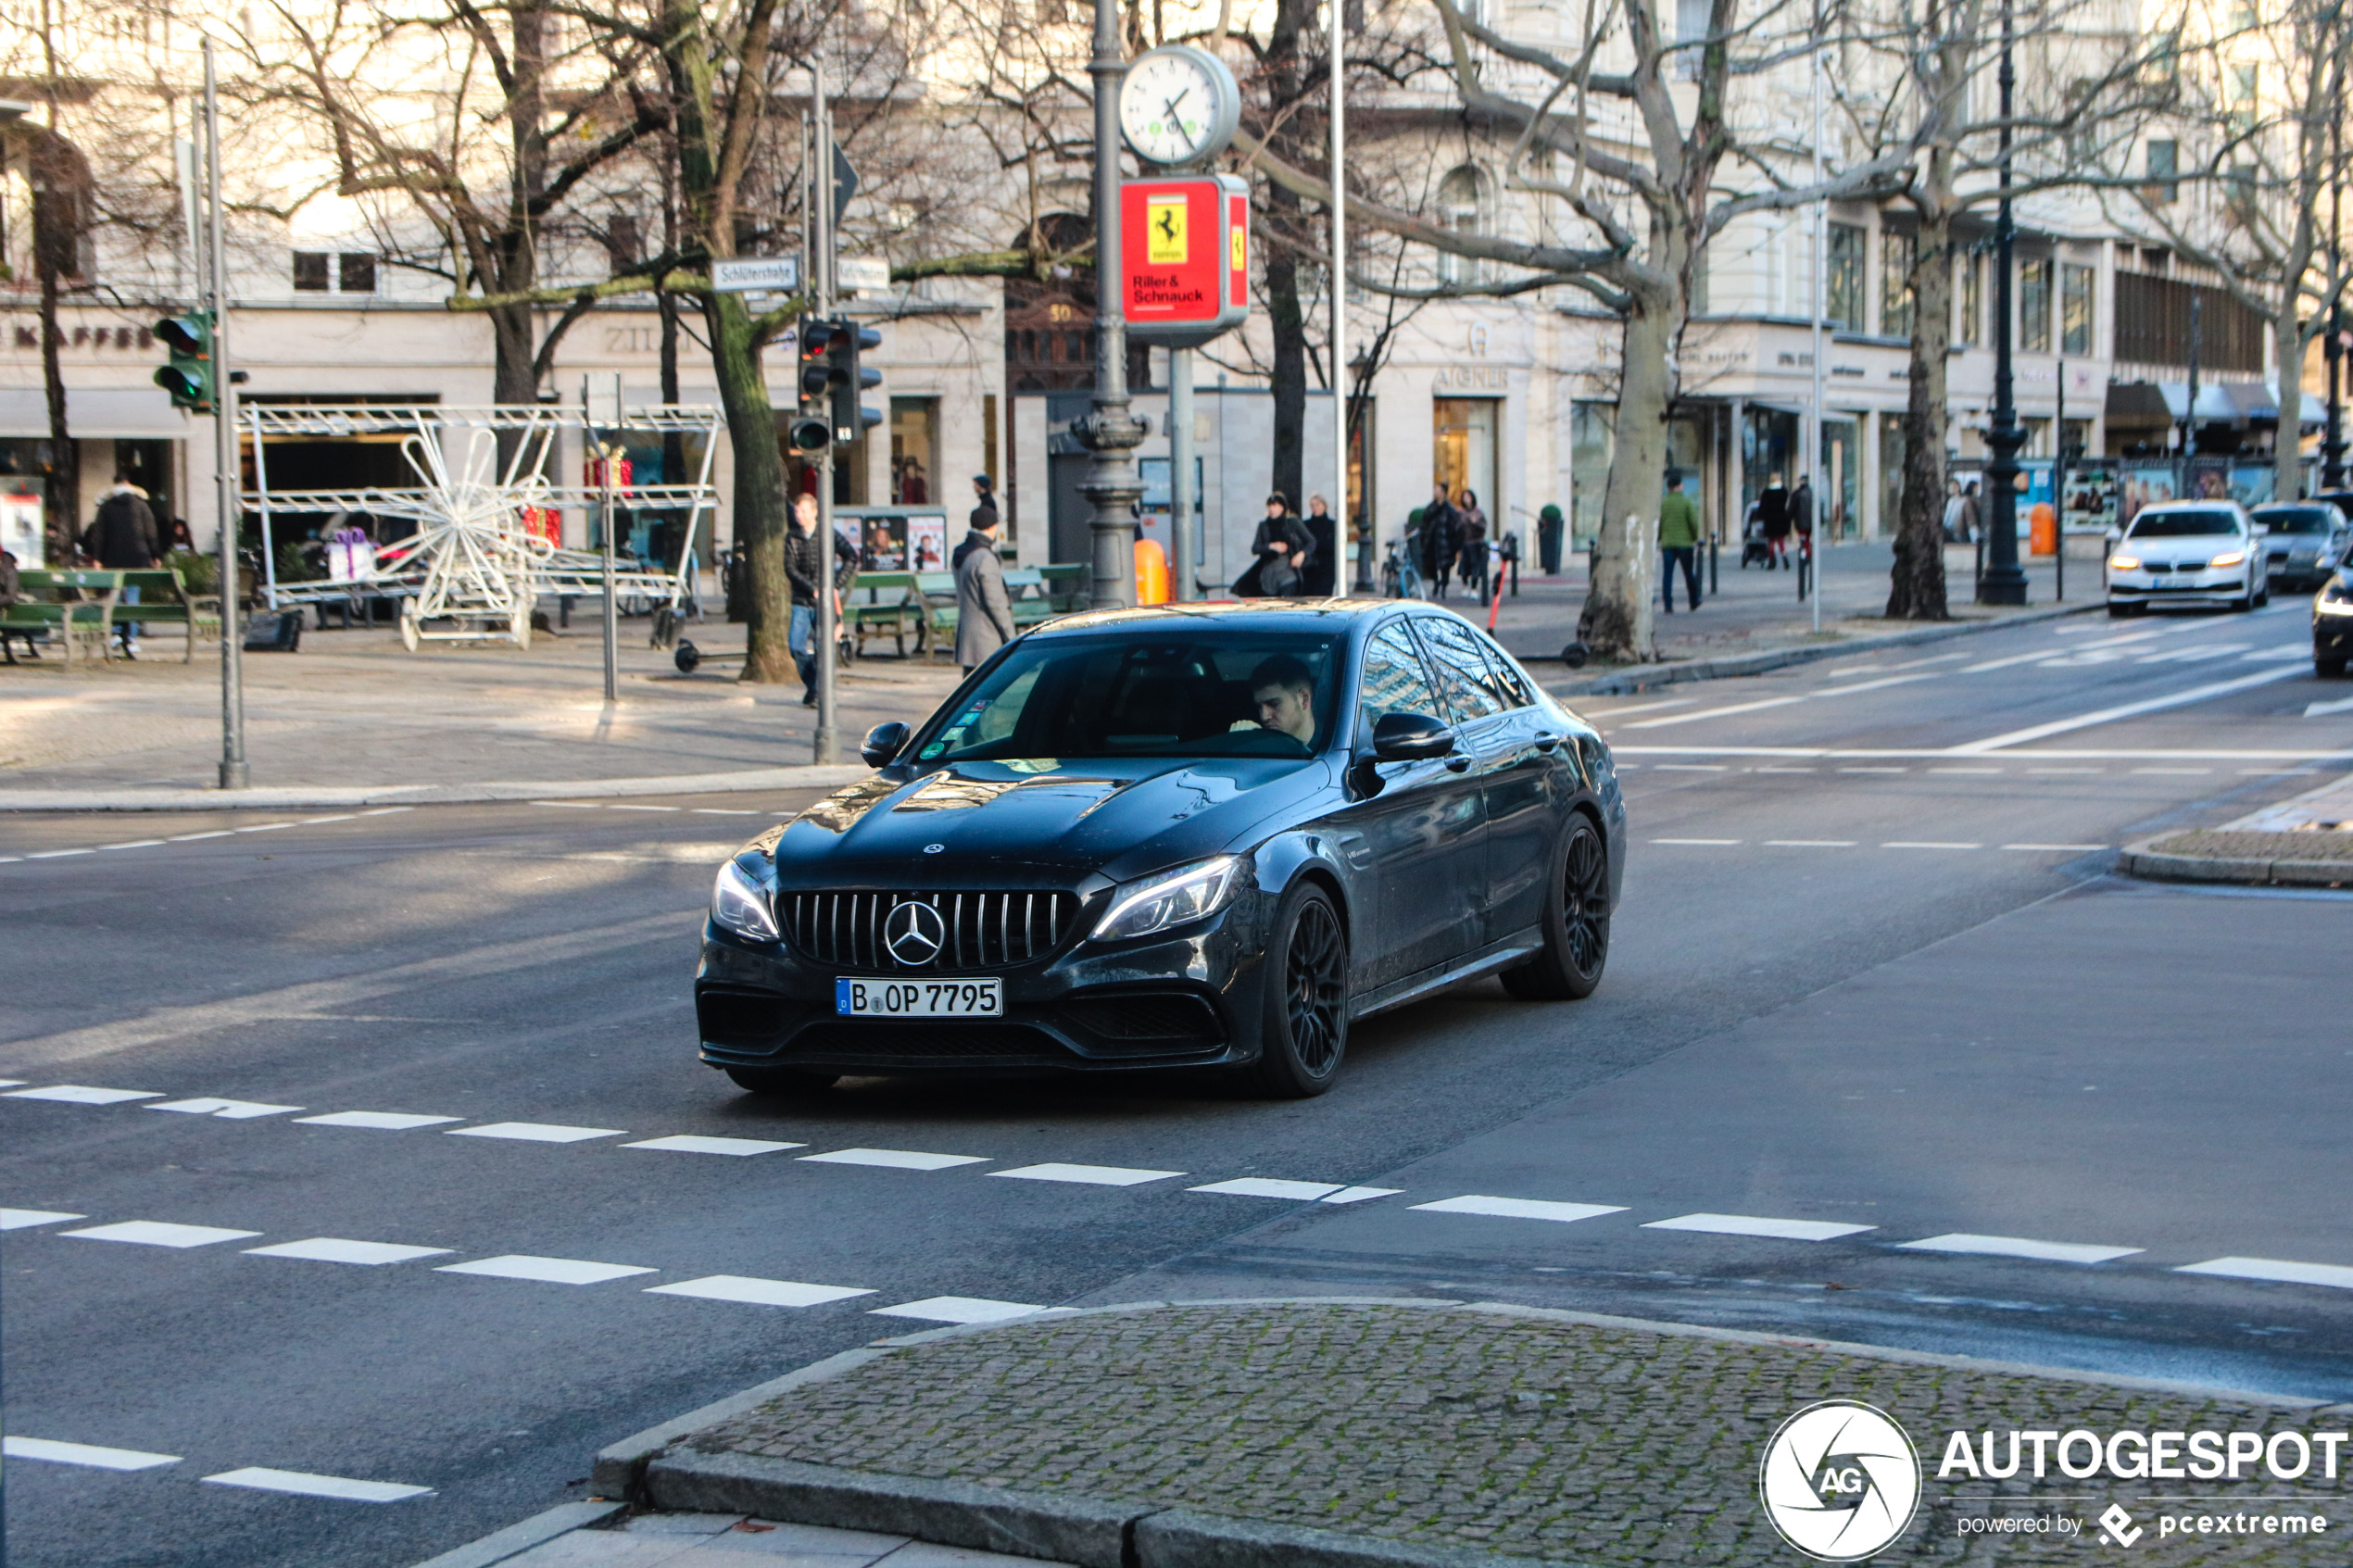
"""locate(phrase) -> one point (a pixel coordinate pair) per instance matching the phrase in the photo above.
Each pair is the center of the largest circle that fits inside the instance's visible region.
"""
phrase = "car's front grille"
(977, 930)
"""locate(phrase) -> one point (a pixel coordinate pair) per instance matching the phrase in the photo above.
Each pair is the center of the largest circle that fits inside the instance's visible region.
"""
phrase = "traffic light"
(810, 431)
(847, 379)
(189, 375)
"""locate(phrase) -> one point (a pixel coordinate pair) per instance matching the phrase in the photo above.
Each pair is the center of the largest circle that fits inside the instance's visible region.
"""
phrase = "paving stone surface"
(1528, 1437)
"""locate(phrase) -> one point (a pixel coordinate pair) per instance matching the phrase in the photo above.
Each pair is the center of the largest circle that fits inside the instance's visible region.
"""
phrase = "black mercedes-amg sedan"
(1193, 836)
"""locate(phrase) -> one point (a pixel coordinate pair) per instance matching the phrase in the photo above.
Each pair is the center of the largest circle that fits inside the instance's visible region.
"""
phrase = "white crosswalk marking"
(97, 1457)
(1751, 1224)
(1519, 1207)
(19, 1219)
(1359, 1195)
(544, 1271)
(83, 1094)
(1088, 1175)
(688, 1142)
(303, 1484)
(227, 1110)
(382, 1121)
(895, 1158)
(963, 1309)
(758, 1292)
(2020, 1247)
(1265, 1186)
(334, 1249)
(151, 1233)
(2274, 1270)
(536, 1131)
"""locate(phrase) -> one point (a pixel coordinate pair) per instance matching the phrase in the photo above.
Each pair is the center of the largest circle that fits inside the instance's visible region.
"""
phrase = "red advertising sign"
(1183, 267)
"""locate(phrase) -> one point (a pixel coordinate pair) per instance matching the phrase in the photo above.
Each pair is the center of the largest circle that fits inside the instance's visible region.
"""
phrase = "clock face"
(1175, 104)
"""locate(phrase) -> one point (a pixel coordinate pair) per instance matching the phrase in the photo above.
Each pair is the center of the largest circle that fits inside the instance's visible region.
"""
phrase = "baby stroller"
(1754, 551)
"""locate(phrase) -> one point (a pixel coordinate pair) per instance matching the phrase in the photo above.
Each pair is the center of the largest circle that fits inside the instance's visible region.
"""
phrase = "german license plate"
(919, 999)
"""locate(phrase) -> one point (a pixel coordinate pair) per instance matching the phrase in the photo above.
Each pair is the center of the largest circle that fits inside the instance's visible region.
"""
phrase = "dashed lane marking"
(544, 1271)
(758, 1292)
(153, 1233)
(1519, 1209)
(23, 1219)
(381, 1120)
(1927, 844)
(2274, 1270)
(1809, 844)
(689, 1143)
(303, 1484)
(334, 1249)
(1751, 1224)
(536, 1131)
(54, 1452)
(964, 1309)
(1088, 1175)
(2020, 1247)
(2056, 848)
(895, 1158)
(1698, 841)
(83, 1094)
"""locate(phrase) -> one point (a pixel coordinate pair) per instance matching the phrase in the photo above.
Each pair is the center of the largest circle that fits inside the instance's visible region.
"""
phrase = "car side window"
(1463, 675)
(1394, 679)
(1509, 683)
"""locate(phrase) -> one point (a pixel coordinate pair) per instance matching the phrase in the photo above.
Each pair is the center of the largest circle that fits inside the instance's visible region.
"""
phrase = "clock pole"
(1109, 431)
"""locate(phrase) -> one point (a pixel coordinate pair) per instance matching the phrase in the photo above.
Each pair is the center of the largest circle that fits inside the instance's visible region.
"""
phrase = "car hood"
(2202, 546)
(1040, 819)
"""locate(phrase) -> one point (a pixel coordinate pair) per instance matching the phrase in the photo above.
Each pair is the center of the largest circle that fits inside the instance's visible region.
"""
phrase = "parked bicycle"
(1399, 578)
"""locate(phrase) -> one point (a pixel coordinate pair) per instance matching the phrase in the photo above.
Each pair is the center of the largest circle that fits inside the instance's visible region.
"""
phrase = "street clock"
(1180, 107)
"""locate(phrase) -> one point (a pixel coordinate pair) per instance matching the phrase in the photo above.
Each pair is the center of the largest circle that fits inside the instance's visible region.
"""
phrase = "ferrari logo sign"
(1165, 231)
(1241, 239)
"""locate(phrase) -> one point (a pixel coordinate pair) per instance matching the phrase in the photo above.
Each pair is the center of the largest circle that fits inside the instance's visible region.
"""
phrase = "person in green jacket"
(1679, 537)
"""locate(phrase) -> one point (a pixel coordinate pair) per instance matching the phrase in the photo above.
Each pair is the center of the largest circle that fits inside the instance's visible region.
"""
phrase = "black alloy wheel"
(1569, 966)
(785, 1083)
(1305, 1032)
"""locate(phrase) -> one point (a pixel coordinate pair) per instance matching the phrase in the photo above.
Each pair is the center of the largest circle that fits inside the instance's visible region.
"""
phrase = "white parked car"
(2189, 552)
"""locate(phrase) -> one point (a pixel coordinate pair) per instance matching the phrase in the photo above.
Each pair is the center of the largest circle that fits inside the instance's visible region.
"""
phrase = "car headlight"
(2334, 599)
(1155, 903)
(2125, 563)
(2231, 559)
(740, 904)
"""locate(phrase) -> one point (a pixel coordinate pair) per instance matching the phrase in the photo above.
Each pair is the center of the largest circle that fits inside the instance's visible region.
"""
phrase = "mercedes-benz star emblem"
(914, 933)
(934, 848)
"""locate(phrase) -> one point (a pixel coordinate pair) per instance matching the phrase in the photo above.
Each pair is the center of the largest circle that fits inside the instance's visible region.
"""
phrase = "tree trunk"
(1615, 622)
(760, 487)
(1916, 582)
(61, 495)
(2287, 351)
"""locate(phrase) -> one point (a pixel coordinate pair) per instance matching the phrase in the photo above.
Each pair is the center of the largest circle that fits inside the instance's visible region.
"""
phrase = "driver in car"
(1285, 693)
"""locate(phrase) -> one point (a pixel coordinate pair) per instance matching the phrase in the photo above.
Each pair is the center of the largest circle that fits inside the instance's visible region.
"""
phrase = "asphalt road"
(1869, 973)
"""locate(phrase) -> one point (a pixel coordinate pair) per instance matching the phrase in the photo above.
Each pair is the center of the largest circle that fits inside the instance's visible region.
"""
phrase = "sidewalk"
(356, 719)
(1313, 1434)
(2306, 841)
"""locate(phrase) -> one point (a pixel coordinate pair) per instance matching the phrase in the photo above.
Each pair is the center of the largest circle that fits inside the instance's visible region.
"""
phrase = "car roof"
(1290, 615)
(2311, 505)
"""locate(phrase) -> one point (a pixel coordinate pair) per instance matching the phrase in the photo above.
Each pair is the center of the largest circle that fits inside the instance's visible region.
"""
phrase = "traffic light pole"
(234, 773)
(827, 747)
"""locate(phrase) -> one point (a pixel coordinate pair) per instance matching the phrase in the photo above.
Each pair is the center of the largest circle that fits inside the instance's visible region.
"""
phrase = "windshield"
(2189, 522)
(2296, 519)
(1181, 693)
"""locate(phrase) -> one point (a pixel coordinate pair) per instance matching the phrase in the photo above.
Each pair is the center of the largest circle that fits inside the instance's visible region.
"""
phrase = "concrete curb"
(308, 798)
(516, 1539)
(1098, 1534)
(1642, 677)
(2140, 861)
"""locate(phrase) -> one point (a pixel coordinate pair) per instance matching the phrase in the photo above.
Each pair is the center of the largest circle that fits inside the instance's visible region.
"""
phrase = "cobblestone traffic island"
(1445, 1432)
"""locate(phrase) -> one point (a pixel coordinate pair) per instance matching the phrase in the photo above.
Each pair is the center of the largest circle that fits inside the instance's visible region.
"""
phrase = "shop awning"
(2232, 403)
(118, 414)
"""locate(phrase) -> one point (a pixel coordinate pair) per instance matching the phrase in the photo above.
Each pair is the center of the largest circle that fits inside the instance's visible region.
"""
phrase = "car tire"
(1576, 927)
(1305, 1036)
(2328, 668)
(783, 1083)
(2246, 601)
(2265, 596)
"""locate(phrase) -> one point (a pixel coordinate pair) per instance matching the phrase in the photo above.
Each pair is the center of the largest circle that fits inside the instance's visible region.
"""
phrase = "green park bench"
(884, 603)
(164, 600)
(80, 607)
(1037, 593)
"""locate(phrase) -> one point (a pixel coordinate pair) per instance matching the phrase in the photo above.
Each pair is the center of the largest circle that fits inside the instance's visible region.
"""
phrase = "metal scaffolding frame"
(473, 570)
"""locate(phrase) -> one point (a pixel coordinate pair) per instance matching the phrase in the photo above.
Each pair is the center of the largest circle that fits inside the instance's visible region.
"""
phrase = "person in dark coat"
(801, 573)
(1548, 529)
(983, 500)
(1282, 548)
(1441, 538)
(1772, 510)
(122, 539)
(984, 610)
(1801, 516)
(1322, 560)
(1470, 525)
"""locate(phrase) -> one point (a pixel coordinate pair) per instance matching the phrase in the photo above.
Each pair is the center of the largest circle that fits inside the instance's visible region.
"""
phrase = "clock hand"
(1169, 108)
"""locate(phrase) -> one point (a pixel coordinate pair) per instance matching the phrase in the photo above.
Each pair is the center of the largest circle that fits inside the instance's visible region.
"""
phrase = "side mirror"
(2263, 531)
(1410, 737)
(2116, 536)
(883, 743)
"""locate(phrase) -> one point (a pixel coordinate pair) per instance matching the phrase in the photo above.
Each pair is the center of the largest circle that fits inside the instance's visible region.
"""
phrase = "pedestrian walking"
(1801, 516)
(1550, 526)
(1971, 516)
(984, 610)
(1471, 531)
(983, 500)
(1323, 547)
(1678, 535)
(1953, 512)
(122, 539)
(801, 573)
(1441, 538)
(1772, 510)
(1279, 552)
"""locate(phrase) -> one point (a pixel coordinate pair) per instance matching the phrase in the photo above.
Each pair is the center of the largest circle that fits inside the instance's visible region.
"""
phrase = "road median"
(1406, 1433)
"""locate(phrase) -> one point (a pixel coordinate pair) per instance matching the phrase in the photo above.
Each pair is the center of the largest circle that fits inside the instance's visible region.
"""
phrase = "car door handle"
(1546, 740)
(1458, 764)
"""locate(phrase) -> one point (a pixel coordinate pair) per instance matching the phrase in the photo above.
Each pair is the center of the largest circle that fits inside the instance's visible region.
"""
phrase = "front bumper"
(2332, 636)
(2227, 586)
(1190, 998)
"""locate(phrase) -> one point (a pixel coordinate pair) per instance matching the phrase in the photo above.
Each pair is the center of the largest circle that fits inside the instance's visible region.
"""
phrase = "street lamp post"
(2004, 583)
(1109, 429)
